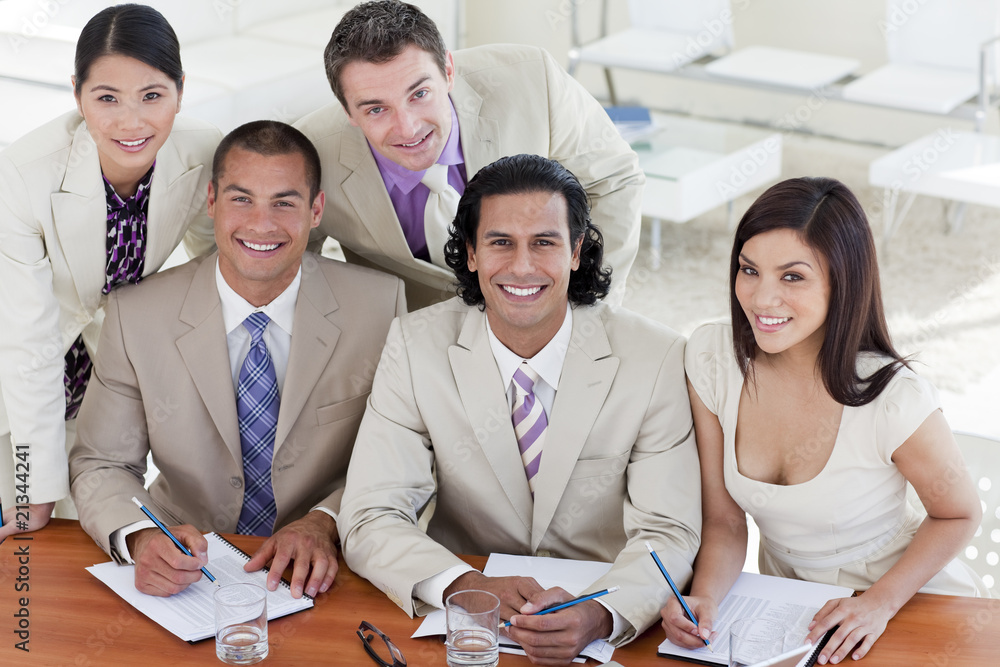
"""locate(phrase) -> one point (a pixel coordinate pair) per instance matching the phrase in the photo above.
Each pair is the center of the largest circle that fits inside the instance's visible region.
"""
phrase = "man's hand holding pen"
(160, 567)
(548, 639)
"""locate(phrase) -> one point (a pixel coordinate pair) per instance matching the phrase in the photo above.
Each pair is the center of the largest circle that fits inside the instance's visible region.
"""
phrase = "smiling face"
(523, 257)
(129, 108)
(783, 287)
(402, 105)
(263, 216)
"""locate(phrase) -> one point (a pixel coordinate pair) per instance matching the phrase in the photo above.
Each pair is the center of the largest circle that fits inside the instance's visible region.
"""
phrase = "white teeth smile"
(771, 321)
(260, 247)
(516, 291)
(415, 143)
(138, 142)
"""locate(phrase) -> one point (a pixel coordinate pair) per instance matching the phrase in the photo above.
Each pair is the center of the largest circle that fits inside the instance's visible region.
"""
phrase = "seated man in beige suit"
(413, 122)
(245, 373)
(552, 423)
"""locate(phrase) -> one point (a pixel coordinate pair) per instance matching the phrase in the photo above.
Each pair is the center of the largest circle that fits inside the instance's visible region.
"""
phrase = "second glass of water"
(473, 629)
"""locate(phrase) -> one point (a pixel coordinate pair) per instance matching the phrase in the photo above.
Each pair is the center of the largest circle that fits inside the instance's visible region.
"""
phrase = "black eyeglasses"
(389, 656)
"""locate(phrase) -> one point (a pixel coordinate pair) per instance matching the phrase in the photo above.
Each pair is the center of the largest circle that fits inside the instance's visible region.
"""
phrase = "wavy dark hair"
(830, 220)
(136, 31)
(519, 174)
(376, 32)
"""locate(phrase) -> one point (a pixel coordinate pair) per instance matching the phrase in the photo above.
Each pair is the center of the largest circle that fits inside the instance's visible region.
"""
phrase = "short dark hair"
(520, 174)
(269, 137)
(136, 31)
(831, 221)
(376, 32)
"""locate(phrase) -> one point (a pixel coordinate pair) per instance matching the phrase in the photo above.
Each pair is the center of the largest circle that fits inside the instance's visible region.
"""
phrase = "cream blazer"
(509, 99)
(163, 384)
(53, 230)
(619, 466)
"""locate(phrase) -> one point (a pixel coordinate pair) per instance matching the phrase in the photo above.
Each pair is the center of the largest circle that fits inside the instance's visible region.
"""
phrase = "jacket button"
(236, 482)
(543, 553)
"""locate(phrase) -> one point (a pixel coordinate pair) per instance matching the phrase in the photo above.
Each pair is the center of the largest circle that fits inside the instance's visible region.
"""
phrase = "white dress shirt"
(278, 339)
(548, 363)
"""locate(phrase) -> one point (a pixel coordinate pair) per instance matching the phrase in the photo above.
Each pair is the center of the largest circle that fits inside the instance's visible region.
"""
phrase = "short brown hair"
(269, 137)
(376, 32)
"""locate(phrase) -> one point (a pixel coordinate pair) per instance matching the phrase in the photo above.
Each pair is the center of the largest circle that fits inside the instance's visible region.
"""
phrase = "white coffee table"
(963, 167)
(693, 166)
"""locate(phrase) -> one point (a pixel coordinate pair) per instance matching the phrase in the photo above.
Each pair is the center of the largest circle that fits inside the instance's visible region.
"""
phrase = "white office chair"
(941, 53)
(982, 456)
(664, 36)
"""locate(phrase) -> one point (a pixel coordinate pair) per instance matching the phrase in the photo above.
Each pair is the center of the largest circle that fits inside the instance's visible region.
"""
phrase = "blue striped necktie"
(529, 421)
(257, 406)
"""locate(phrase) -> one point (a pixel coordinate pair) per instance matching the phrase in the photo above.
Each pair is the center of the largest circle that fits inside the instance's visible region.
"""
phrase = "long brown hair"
(830, 220)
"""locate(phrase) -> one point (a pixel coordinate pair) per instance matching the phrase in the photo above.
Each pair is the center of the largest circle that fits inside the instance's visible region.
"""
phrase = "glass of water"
(241, 624)
(473, 629)
(753, 640)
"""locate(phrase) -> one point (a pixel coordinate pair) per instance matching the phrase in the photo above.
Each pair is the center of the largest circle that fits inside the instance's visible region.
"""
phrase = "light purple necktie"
(529, 421)
(257, 406)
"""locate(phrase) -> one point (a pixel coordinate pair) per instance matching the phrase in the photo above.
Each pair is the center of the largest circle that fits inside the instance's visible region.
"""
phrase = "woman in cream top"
(816, 433)
(95, 198)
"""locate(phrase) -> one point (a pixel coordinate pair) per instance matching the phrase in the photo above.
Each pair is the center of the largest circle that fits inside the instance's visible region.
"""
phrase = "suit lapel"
(80, 215)
(366, 191)
(484, 398)
(480, 136)
(206, 354)
(584, 384)
(313, 341)
(171, 198)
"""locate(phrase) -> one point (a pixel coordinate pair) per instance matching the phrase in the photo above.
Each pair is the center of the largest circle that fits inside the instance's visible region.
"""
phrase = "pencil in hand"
(676, 591)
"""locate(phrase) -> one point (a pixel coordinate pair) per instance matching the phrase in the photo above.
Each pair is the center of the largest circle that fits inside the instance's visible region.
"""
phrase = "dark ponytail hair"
(136, 31)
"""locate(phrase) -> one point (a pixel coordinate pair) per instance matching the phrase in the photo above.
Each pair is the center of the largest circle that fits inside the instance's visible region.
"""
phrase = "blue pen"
(574, 601)
(177, 543)
(677, 593)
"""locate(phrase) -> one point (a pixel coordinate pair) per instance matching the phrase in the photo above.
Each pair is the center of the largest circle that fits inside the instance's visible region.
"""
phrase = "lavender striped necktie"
(257, 407)
(529, 421)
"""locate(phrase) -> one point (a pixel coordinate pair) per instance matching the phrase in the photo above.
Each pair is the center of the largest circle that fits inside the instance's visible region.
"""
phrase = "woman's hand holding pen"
(682, 631)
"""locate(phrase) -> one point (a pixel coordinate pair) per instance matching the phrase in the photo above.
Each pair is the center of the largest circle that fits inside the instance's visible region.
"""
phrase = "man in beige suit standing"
(414, 122)
(547, 422)
(245, 373)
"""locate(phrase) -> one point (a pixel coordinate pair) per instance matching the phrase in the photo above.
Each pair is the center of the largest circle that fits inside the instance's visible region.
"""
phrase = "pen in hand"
(677, 593)
(177, 543)
(570, 603)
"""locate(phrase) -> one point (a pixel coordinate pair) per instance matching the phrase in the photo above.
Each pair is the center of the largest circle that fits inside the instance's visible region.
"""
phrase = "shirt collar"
(235, 308)
(404, 179)
(548, 362)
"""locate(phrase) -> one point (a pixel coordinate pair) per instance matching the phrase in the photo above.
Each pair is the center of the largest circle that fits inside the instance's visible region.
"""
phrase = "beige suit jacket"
(163, 383)
(53, 231)
(619, 466)
(509, 99)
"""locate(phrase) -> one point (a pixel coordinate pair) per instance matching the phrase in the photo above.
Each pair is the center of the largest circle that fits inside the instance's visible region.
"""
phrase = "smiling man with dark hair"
(546, 422)
(244, 372)
(413, 122)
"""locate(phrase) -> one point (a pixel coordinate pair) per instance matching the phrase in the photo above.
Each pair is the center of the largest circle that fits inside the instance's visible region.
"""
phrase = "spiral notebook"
(190, 614)
(790, 602)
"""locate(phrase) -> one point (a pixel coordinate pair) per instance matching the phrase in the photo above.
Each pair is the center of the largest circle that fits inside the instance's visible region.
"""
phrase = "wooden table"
(73, 619)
